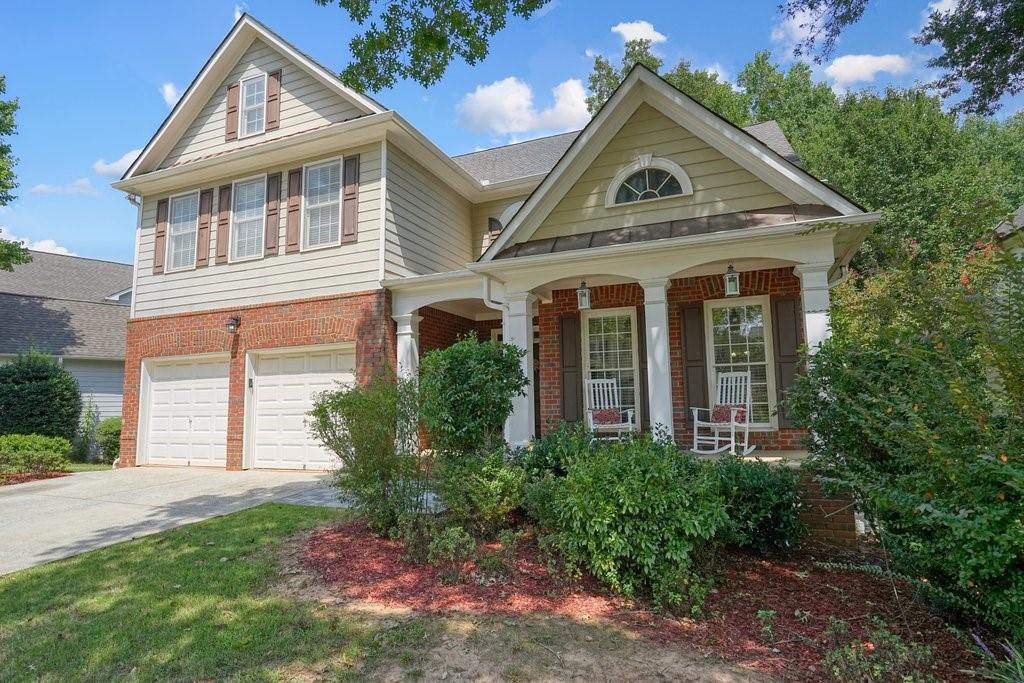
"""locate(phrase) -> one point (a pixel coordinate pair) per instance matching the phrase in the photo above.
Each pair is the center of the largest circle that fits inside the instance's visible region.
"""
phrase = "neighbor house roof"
(58, 304)
(536, 157)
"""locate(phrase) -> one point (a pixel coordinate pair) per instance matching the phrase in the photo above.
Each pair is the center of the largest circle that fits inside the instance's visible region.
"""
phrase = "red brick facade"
(363, 318)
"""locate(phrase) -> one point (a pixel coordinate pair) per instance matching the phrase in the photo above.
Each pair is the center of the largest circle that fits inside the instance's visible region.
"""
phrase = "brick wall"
(828, 518)
(363, 318)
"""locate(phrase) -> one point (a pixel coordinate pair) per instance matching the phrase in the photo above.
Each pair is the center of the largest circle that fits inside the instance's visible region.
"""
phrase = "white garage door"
(284, 387)
(188, 413)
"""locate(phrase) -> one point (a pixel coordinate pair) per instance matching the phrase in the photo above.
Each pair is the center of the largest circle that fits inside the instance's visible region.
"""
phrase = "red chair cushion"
(723, 413)
(608, 416)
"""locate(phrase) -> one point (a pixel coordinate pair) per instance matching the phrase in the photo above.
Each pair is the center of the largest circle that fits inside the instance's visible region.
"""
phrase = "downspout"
(488, 301)
(842, 275)
(135, 201)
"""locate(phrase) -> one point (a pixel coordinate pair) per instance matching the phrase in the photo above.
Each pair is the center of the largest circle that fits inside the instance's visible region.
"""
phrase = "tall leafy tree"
(418, 39)
(11, 253)
(982, 42)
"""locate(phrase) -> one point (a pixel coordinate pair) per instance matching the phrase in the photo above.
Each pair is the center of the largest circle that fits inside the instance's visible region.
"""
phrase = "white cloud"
(849, 69)
(719, 70)
(546, 8)
(38, 245)
(791, 31)
(240, 9)
(639, 30)
(115, 169)
(590, 53)
(80, 186)
(170, 93)
(937, 7)
(506, 107)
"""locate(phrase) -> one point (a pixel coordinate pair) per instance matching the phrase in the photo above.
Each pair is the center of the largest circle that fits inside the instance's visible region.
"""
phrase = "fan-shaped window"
(650, 183)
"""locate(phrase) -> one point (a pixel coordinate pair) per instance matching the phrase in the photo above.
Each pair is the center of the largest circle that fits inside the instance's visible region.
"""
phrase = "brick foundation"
(363, 318)
(828, 518)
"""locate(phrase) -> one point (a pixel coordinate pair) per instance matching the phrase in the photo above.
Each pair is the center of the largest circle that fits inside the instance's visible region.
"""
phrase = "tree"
(982, 42)
(11, 253)
(418, 39)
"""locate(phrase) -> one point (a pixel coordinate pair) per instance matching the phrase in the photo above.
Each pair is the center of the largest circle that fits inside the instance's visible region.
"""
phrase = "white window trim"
(241, 106)
(263, 218)
(167, 234)
(585, 317)
(769, 352)
(302, 204)
(647, 161)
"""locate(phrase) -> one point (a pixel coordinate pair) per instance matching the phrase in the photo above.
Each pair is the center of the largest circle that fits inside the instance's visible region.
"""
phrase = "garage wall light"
(233, 324)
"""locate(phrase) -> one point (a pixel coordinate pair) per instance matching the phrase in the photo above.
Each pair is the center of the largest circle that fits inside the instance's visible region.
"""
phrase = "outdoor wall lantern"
(583, 296)
(732, 282)
(233, 323)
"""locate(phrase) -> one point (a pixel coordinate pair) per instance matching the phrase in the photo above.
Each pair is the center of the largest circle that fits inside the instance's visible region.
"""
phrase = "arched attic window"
(646, 179)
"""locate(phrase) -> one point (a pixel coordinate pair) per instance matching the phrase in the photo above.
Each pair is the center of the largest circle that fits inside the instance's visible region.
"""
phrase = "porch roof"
(778, 215)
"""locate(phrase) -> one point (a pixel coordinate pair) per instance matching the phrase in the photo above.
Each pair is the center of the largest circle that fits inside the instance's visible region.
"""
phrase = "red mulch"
(363, 566)
(23, 477)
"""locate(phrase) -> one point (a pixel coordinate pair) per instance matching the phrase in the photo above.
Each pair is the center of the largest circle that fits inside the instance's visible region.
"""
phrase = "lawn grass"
(88, 467)
(192, 603)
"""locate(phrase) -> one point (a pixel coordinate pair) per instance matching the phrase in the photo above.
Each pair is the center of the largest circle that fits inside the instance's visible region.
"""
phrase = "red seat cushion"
(607, 416)
(723, 413)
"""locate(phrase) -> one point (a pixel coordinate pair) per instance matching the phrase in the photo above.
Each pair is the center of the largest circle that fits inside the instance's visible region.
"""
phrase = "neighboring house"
(76, 309)
(294, 233)
(1010, 233)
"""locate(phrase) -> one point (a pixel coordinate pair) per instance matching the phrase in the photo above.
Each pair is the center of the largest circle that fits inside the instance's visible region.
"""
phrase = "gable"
(306, 103)
(720, 185)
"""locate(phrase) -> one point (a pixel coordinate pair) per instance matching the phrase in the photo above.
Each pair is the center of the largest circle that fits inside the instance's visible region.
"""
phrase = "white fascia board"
(431, 279)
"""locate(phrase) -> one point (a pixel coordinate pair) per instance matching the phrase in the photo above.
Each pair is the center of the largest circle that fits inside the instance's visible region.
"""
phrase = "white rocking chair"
(729, 415)
(604, 409)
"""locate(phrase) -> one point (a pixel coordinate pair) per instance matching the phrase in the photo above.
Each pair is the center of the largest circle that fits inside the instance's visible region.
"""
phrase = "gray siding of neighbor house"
(100, 380)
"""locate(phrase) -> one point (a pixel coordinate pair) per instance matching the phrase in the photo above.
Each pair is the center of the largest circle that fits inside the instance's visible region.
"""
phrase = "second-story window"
(253, 110)
(181, 232)
(322, 225)
(247, 218)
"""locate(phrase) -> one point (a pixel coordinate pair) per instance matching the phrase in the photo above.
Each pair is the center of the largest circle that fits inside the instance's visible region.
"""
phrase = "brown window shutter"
(786, 333)
(273, 225)
(231, 115)
(160, 239)
(695, 372)
(350, 200)
(572, 368)
(643, 397)
(292, 222)
(273, 100)
(223, 223)
(203, 238)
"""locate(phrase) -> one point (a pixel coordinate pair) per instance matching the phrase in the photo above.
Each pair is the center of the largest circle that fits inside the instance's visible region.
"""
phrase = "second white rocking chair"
(728, 417)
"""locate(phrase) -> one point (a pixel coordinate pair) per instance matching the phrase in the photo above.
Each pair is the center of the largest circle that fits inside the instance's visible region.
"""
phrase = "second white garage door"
(284, 385)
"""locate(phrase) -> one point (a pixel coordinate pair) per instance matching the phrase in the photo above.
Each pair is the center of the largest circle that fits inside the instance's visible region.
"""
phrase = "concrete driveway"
(46, 520)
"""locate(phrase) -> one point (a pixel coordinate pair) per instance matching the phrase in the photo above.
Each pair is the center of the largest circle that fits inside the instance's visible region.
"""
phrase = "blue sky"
(95, 79)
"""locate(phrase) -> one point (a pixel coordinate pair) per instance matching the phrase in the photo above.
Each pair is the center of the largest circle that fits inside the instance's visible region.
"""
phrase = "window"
(650, 183)
(248, 216)
(254, 98)
(322, 225)
(181, 232)
(739, 339)
(609, 350)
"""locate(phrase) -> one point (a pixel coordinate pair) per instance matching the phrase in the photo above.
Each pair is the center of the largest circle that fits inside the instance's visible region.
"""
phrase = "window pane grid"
(323, 204)
(648, 183)
(181, 231)
(247, 219)
(739, 345)
(610, 354)
(253, 98)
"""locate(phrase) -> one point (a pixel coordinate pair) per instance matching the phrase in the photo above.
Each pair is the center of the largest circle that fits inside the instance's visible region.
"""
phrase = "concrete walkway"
(46, 520)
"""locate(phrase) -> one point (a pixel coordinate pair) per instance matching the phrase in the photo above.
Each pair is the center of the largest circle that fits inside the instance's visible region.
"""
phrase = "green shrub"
(480, 491)
(552, 453)
(884, 656)
(38, 396)
(32, 453)
(450, 549)
(467, 391)
(19, 443)
(85, 442)
(762, 503)
(373, 431)
(108, 438)
(642, 517)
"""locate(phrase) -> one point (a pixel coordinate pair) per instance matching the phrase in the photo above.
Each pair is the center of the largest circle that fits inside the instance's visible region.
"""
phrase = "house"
(1010, 233)
(75, 309)
(293, 233)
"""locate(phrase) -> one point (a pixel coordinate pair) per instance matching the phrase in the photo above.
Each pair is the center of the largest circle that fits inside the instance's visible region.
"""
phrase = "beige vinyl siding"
(101, 381)
(428, 223)
(481, 213)
(319, 272)
(306, 103)
(720, 185)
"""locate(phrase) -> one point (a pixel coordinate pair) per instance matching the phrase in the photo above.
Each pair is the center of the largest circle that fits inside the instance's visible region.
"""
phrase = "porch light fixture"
(732, 282)
(233, 323)
(583, 296)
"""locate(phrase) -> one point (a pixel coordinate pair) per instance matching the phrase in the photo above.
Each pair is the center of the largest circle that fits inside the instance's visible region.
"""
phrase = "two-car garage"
(185, 408)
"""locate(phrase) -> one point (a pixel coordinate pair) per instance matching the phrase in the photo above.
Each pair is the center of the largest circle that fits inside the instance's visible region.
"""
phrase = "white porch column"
(408, 344)
(659, 371)
(517, 328)
(814, 298)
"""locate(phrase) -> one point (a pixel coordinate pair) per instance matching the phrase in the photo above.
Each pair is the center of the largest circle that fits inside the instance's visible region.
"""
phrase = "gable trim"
(742, 147)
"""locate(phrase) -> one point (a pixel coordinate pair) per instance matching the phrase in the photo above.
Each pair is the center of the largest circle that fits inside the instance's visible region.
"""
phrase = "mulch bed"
(23, 477)
(362, 566)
